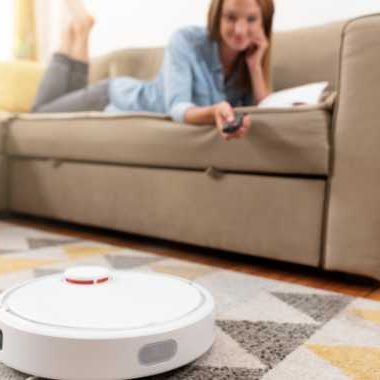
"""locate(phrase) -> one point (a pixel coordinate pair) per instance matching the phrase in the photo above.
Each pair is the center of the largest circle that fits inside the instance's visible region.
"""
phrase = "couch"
(303, 187)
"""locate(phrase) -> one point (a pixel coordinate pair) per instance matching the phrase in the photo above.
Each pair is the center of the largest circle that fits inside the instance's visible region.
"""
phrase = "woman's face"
(241, 21)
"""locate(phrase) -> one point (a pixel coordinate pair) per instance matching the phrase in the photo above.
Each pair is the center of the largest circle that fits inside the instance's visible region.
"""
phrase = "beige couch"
(4, 118)
(303, 187)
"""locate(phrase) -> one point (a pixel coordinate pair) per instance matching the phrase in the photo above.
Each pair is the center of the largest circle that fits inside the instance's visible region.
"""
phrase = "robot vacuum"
(90, 323)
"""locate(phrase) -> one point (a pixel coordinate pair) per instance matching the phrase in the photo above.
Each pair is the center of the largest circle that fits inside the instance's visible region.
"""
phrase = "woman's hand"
(223, 113)
(255, 53)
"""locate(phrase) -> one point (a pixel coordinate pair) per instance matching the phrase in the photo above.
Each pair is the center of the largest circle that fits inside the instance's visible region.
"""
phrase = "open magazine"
(309, 94)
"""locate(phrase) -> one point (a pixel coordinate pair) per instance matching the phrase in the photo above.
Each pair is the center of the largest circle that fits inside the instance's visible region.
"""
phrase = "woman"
(205, 73)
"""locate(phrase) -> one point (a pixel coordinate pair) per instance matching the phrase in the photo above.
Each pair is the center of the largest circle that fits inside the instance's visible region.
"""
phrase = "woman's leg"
(68, 72)
(91, 98)
(63, 75)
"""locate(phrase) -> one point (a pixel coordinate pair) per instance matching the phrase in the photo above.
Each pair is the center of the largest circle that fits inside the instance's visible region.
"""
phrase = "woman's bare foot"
(81, 33)
(67, 40)
(77, 9)
(75, 37)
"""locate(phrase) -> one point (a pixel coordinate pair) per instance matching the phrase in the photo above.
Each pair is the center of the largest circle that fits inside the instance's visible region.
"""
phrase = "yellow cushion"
(19, 81)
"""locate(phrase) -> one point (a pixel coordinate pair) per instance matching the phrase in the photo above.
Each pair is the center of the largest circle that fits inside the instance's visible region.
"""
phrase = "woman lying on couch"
(205, 73)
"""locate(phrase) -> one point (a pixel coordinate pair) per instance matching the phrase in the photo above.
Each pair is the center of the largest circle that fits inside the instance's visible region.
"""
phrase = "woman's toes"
(83, 25)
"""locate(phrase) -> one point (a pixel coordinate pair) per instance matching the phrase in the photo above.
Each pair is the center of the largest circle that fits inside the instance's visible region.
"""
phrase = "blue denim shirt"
(191, 75)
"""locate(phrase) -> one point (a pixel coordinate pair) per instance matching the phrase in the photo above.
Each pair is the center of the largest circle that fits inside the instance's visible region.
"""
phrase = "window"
(6, 28)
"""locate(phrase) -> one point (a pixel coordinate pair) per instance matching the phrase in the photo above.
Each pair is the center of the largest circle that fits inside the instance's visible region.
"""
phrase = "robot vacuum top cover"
(139, 323)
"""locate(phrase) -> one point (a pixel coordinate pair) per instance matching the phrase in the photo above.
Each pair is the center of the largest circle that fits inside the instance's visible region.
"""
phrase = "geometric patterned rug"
(266, 329)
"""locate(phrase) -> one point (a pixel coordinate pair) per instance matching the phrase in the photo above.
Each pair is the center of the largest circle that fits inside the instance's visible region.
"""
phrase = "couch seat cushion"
(287, 141)
(4, 117)
(19, 83)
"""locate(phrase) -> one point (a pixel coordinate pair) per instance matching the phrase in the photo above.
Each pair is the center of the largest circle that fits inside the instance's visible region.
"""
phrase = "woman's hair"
(213, 27)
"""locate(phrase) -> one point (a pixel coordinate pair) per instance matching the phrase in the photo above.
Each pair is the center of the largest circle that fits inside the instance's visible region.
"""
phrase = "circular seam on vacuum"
(202, 302)
(7, 309)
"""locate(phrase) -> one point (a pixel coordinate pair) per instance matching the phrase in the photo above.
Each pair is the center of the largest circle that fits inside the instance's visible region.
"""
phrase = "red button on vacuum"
(87, 275)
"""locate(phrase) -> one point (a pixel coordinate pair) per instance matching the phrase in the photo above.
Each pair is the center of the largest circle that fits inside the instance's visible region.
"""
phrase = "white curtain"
(50, 17)
(6, 29)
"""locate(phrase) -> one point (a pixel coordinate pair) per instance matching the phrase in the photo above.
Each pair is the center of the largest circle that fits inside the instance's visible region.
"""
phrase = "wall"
(291, 14)
(150, 22)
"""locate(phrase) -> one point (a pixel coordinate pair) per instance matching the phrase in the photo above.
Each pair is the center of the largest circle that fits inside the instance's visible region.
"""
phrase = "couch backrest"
(138, 63)
(307, 55)
(298, 57)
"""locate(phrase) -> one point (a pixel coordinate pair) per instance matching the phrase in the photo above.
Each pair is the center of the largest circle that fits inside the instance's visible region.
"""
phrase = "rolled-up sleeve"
(178, 77)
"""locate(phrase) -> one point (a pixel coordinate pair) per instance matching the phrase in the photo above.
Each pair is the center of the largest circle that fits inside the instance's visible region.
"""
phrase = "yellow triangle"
(78, 251)
(368, 314)
(189, 272)
(8, 265)
(361, 363)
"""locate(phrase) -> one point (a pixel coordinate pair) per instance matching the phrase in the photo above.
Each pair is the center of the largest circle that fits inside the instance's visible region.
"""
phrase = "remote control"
(233, 126)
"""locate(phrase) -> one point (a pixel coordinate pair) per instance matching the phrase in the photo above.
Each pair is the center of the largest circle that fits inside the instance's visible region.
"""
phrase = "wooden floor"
(339, 282)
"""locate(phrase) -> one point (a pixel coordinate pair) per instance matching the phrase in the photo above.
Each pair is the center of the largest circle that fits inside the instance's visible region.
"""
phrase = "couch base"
(3, 185)
(273, 217)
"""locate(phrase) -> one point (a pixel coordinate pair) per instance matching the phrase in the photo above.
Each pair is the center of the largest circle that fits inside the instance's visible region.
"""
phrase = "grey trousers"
(64, 88)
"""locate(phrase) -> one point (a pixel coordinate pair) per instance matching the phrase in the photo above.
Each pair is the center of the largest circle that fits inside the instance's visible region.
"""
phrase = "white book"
(309, 94)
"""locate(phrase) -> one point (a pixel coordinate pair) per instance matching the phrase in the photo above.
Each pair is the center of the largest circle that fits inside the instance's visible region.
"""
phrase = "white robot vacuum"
(90, 323)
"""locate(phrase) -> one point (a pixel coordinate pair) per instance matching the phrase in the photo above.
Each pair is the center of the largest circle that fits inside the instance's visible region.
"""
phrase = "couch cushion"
(307, 55)
(19, 83)
(3, 175)
(4, 117)
(3, 184)
(291, 141)
(140, 63)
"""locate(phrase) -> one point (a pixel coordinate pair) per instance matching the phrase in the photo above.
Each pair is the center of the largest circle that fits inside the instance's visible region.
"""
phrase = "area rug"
(266, 329)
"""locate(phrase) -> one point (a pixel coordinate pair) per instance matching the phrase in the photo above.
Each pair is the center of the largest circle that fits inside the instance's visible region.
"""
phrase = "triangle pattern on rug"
(274, 311)
(36, 243)
(7, 373)
(368, 315)
(270, 342)
(42, 272)
(320, 307)
(13, 265)
(303, 364)
(129, 261)
(195, 372)
(6, 252)
(78, 251)
(227, 352)
(190, 272)
(361, 363)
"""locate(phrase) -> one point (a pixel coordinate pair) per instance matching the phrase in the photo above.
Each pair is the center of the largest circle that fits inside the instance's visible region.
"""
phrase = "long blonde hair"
(213, 27)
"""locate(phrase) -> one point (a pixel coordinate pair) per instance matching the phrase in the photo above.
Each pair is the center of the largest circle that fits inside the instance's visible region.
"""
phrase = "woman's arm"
(217, 114)
(254, 58)
(200, 115)
(260, 88)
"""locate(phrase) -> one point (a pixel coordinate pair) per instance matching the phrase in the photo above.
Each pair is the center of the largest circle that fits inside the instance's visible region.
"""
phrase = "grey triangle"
(7, 373)
(194, 372)
(36, 243)
(320, 307)
(127, 262)
(271, 342)
(4, 251)
(41, 272)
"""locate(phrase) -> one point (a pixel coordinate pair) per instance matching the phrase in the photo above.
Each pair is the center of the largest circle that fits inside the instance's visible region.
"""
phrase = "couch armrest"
(4, 119)
(352, 241)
